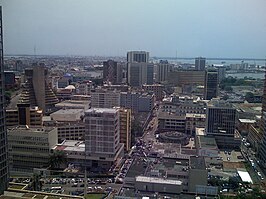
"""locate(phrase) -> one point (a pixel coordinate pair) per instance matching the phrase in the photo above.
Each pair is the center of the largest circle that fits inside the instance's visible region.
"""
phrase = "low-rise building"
(29, 148)
(157, 89)
(154, 184)
(171, 122)
(74, 150)
(73, 104)
(68, 115)
(206, 146)
(24, 115)
(194, 121)
(198, 174)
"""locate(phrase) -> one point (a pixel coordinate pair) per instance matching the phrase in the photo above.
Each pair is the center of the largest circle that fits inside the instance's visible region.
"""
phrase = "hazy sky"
(188, 28)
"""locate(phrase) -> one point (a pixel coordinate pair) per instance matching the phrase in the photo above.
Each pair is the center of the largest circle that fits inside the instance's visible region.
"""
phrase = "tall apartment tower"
(139, 71)
(163, 68)
(262, 148)
(200, 63)
(221, 123)
(37, 91)
(211, 84)
(4, 171)
(102, 137)
(112, 72)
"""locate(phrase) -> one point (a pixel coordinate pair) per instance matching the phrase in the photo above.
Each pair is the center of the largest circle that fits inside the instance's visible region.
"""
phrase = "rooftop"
(68, 111)
(101, 110)
(26, 128)
(197, 162)
(157, 180)
(71, 145)
(206, 142)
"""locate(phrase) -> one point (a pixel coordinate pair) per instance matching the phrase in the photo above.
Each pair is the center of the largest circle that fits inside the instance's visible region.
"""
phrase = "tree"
(57, 158)
(249, 97)
(36, 182)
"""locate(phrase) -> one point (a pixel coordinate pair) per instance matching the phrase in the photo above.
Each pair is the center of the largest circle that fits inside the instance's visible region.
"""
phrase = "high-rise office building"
(262, 148)
(211, 84)
(112, 72)
(221, 123)
(102, 137)
(139, 71)
(200, 63)
(37, 91)
(163, 68)
(4, 174)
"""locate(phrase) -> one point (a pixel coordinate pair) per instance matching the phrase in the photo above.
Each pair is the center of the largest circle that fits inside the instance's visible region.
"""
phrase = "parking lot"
(77, 186)
(232, 156)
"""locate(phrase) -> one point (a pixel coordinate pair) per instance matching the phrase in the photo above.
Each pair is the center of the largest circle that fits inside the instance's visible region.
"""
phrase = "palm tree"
(57, 159)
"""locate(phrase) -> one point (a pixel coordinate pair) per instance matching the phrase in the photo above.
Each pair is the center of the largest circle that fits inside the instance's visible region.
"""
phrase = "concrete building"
(198, 174)
(171, 122)
(211, 84)
(180, 105)
(155, 184)
(102, 138)
(68, 115)
(163, 68)
(66, 130)
(137, 102)
(125, 127)
(146, 102)
(83, 88)
(186, 77)
(200, 63)
(103, 98)
(36, 91)
(9, 79)
(4, 171)
(157, 89)
(194, 121)
(29, 148)
(112, 72)
(24, 115)
(221, 124)
(139, 71)
(74, 104)
(262, 148)
(75, 152)
(255, 136)
(206, 146)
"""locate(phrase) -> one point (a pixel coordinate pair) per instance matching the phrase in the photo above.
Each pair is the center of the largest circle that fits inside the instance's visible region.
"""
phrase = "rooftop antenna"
(34, 51)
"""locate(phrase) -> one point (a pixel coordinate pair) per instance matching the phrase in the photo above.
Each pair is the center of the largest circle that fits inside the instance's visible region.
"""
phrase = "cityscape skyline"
(182, 29)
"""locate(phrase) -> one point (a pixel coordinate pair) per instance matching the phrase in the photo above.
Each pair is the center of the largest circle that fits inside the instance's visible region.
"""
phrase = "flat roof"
(244, 175)
(101, 110)
(68, 111)
(197, 162)
(71, 145)
(247, 121)
(196, 115)
(200, 131)
(157, 180)
(207, 142)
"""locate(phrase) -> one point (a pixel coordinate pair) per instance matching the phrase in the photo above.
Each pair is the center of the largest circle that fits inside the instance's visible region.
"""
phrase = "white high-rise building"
(102, 137)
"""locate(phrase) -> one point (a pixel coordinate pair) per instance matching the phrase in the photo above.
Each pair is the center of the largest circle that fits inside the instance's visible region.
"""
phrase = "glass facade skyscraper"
(3, 134)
